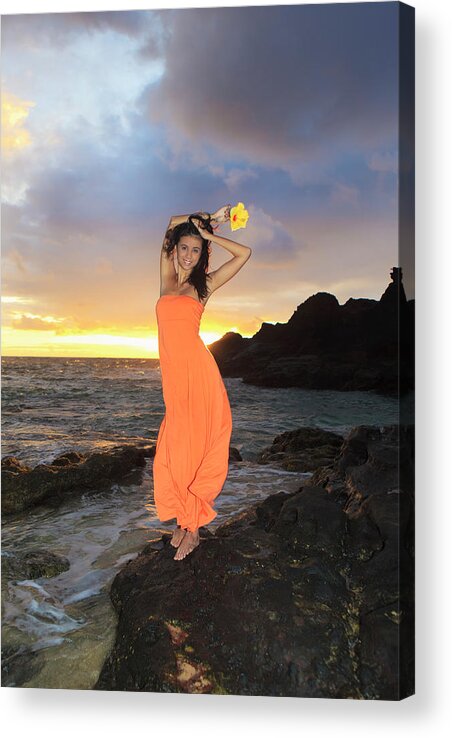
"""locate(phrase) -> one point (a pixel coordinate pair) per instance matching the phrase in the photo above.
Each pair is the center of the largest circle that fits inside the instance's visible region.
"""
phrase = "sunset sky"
(114, 121)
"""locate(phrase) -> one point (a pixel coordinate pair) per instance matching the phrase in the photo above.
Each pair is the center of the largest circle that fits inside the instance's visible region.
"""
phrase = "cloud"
(14, 115)
(34, 31)
(343, 194)
(236, 177)
(386, 161)
(273, 244)
(277, 84)
(35, 323)
(140, 115)
(17, 260)
(103, 266)
(15, 299)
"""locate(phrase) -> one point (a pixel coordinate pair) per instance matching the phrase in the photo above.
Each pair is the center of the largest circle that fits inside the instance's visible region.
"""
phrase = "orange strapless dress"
(192, 452)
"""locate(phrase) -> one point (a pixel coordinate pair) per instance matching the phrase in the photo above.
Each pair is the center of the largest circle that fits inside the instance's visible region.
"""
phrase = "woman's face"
(189, 252)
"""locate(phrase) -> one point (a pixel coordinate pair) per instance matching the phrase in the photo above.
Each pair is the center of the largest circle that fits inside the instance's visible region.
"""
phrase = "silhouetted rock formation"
(326, 345)
(306, 594)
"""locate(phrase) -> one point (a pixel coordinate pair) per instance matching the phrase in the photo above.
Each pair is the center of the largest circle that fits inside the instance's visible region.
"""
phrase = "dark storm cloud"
(280, 83)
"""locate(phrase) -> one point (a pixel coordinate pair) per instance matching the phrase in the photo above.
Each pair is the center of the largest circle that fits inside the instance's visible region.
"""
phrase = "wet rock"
(234, 454)
(33, 564)
(19, 665)
(69, 473)
(296, 596)
(303, 449)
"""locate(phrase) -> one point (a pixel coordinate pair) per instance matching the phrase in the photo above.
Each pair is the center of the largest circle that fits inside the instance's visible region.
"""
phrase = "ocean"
(57, 632)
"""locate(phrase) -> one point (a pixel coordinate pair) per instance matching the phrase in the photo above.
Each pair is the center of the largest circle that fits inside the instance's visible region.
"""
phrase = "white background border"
(65, 713)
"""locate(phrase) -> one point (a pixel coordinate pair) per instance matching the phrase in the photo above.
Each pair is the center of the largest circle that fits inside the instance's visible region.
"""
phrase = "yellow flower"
(239, 216)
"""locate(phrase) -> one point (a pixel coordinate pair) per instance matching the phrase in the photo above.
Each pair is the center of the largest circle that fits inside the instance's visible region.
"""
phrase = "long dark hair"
(198, 275)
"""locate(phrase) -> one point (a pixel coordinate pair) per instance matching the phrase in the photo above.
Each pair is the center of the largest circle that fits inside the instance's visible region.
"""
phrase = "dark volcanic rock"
(234, 454)
(304, 449)
(296, 596)
(23, 487)
(362, 345)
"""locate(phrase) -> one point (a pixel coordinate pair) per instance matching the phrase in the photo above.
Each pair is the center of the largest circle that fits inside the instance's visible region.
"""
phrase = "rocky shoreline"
(69, 473)
(72, 473)
(307, 594)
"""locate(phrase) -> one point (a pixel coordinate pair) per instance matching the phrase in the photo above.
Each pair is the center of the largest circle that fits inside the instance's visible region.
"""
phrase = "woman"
(192, 451)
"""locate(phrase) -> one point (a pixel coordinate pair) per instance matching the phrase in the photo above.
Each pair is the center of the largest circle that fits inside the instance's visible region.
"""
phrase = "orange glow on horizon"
(27, 331)
(45, 343)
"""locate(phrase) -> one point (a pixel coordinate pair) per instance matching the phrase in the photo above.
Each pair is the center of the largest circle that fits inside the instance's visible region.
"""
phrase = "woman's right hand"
(203, 215)
(205, 234)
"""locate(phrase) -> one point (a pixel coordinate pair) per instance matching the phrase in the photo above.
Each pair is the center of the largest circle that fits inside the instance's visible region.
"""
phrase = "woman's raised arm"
(178, 219)
(241, 254)
(235, 248)
(238, 249)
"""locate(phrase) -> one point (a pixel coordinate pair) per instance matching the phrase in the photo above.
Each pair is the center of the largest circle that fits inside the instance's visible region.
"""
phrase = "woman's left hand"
(222, 215)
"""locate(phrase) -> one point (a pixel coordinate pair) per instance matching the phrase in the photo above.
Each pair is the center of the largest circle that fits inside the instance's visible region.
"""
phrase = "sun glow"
(43, 342)
(210, 336)
(14, 114)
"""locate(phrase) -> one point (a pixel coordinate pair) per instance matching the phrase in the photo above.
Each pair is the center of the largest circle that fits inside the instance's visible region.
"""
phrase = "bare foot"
(178, 535)
(189, 542)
